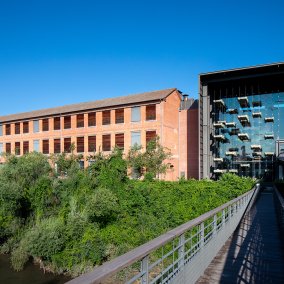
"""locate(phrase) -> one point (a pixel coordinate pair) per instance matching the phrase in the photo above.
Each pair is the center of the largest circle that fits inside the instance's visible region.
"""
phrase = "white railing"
(178, 256)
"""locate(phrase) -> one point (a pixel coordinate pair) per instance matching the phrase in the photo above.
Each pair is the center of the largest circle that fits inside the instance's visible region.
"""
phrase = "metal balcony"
(269, 119)
(219, 137)
(231, 153)
(256, 114)
(218, 125)
(256, 147)
(218, 160)
(243, 101)
(231, 124)
(232, 111)
(269, 136)
(243, 136)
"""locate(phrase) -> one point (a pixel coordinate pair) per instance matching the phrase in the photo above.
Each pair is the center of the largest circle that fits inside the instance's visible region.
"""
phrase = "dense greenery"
(73, 221)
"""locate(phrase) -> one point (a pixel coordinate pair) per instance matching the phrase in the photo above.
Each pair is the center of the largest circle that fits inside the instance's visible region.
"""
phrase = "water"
(30, 275)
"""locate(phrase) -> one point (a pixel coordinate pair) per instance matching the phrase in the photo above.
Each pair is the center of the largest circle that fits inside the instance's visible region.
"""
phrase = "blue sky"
(60, 52)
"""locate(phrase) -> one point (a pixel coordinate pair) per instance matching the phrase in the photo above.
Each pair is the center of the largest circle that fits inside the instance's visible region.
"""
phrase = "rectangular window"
(36, 126)
(8, 148)
(92, 144)
(80, 145)
(17, 128)
(1, 130)
(151, 112)
(67, 122)
(45, 146)
(17, 148)
(57, 123)
(57, 146)
(119, 140)
(26, 127)
(135, 138)
(106, 117)
(150, 136)
(135, 114)
(106, 142)
(26, 147)
(1, 148)
(80, 120)
(36, 145)
(8, 129)
(67, 145)
(91, 119)
(45, 124)
(119, 115)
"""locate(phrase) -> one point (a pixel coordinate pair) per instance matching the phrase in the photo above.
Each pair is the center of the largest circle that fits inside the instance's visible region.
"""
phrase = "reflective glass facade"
(245, 130)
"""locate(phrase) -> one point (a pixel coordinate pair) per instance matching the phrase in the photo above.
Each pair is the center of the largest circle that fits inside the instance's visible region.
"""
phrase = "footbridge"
(238, 242)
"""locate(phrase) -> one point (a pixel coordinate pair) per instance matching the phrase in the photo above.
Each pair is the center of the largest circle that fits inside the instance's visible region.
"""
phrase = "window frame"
(108, 141)
(133, 114)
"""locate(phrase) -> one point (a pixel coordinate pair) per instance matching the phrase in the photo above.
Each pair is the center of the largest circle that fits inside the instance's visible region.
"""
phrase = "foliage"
(78, 221)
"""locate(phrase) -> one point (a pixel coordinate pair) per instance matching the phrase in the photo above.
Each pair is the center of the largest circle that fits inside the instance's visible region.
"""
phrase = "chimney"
(185, 97)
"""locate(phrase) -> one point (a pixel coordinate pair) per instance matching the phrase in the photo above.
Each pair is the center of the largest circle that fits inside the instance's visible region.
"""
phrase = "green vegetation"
(75, 220)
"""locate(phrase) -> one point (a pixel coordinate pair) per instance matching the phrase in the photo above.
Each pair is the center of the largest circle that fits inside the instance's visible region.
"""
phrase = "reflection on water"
(31, 274)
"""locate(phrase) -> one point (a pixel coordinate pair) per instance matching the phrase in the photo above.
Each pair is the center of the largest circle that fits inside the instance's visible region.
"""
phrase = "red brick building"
(104, 124)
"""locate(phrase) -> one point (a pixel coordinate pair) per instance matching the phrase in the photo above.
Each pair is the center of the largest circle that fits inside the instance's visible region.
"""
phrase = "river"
(30, 275)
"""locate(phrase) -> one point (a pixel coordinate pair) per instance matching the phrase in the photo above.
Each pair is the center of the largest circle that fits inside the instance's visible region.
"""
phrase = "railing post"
(202, 234)
(223, 217)
(145, 270)
(215, 225)
(181, 251)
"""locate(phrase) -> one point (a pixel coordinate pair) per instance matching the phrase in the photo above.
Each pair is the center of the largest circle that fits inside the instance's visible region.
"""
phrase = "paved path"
(255, 253)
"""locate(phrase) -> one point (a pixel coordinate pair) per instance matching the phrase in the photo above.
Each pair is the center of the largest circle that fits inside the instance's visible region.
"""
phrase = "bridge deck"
(254, 253)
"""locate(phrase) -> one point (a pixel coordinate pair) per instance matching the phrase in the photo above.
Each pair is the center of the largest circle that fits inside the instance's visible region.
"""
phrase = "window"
(1, 130)
(150, 135)
(106, 142)
(67, 145)
(26, 127)
(92, 144)
(57, 146)
(119, 140)
(1, 148)
(135, 138)
(8, 129)
(17, 148)
(17, 128)
(135, 114)
(8, 148)
(36, 145)
(36, 126)
(67, 122)
(45, 146)
(151, 112)
(26, 147)
(91, 119)
(80, 120)
(119, 115)
(45, 124)
(106, 117)
(57, 123)
(80, 145)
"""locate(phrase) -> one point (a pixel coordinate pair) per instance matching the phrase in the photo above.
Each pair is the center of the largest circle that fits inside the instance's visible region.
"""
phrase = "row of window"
(80, 121)
(81, 147)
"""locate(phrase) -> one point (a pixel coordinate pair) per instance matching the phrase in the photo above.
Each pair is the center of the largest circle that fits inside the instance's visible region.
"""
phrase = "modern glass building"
(241, 121)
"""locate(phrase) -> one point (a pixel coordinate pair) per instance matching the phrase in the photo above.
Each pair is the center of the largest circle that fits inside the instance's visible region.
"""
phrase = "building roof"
(250, 71)
(99, 104)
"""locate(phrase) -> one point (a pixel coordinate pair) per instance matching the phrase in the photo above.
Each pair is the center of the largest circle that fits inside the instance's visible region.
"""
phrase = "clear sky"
(60, 52)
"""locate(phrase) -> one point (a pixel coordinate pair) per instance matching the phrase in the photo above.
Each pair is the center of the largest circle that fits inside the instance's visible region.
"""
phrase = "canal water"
(30, 275)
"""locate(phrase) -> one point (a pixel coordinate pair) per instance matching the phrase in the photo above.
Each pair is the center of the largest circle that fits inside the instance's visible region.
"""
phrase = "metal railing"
(178, 256)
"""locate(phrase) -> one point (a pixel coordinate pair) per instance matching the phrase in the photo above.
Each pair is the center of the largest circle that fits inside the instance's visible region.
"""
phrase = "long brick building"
(104, 124)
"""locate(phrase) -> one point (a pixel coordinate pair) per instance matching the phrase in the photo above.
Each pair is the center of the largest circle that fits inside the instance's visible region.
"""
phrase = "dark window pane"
(45, 124)
(67, 145)
(67, 122)
(17, 128)
(57, 146)
(92, 119)
(8, 129)
(119, 140)
(17, 148)
(45, 146)
(106, 117)
(119, 115)
(26, 127)
(150, 135)
(8, 148)
(92, 143)
(151, 112)
(57, 123)
(106, 142)
(80, 120)
(26, 147)
(80, 145)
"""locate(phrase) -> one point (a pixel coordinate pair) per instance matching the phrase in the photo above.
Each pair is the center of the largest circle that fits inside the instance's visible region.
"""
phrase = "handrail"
(111, 267)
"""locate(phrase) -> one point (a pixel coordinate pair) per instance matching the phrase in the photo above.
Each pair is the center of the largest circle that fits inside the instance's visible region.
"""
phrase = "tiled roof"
(100, 104)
